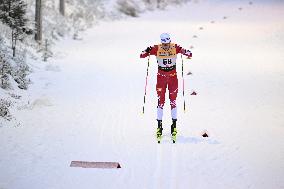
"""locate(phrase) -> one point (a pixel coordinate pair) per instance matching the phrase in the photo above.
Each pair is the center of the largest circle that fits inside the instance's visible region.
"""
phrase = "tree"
(62, 7)
(4, 70)
(38, 21)
(13, 14)
(47, 53)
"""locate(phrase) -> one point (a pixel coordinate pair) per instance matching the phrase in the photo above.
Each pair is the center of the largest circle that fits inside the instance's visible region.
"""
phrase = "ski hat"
(165, 38)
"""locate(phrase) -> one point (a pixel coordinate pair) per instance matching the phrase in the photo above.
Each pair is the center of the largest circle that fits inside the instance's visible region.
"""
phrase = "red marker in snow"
(205, 133)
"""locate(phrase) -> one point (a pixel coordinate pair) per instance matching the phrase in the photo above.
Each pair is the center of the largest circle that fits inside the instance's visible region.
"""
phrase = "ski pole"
(146, 85)
(182, 83)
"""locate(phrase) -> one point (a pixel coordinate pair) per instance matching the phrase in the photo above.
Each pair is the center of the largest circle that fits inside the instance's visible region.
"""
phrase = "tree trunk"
(45, 51)
(38, 21)
(14, 43)
(159, 2)
(62, 7)
(2, 71)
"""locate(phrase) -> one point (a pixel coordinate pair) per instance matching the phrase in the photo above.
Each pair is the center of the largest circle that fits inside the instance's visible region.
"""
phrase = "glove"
(187, 53)
(148, 50)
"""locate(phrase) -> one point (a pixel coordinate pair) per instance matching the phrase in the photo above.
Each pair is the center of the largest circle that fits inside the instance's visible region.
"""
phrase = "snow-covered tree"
(13, 14)
(12, 69)
(4, 70)
(128, 7)
(4, 109)
(47, 53)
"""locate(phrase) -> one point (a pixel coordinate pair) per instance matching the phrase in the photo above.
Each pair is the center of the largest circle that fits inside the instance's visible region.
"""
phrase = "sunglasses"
(165, 39)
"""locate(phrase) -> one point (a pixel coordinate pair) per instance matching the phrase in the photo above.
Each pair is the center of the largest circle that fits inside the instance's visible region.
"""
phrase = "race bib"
(166, 58)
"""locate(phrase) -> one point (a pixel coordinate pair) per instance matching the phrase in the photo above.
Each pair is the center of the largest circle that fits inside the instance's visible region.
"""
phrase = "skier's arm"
(183, 51)
(152, 50)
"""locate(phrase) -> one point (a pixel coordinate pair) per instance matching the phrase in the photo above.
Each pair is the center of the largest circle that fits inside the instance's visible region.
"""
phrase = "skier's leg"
(159, 131)
(173, 91)
(173, 127)
(161, 90)
(159, 113)
(160, 128)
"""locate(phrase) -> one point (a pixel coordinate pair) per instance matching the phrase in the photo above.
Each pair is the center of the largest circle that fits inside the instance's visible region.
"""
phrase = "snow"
(87, 105)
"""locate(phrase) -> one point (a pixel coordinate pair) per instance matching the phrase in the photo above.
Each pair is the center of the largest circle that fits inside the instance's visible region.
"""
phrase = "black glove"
(148, 50)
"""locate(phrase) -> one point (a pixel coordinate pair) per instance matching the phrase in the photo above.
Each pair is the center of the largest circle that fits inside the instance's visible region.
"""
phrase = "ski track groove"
(174, 164)
(158, 169)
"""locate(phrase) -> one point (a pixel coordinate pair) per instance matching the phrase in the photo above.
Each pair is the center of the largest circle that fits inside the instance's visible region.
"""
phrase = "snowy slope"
(87, 106)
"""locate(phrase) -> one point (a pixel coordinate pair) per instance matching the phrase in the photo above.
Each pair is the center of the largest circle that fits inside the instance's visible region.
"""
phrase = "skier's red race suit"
(167, 75)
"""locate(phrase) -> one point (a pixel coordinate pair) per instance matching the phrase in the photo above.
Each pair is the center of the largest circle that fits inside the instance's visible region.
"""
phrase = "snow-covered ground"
(86, 105)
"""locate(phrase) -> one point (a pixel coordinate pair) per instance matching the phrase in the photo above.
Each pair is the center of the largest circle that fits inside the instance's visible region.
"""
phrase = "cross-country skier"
(166, 54)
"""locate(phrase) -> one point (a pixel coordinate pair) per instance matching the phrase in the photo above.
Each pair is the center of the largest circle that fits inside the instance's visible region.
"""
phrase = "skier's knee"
(173, 104)
(159, 89)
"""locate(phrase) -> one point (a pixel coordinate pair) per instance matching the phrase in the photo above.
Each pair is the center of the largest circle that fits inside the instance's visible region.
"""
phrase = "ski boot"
(159, 131)
(174, 131)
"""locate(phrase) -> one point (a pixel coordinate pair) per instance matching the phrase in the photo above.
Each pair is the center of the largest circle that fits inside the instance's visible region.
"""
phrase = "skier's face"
(166, 46)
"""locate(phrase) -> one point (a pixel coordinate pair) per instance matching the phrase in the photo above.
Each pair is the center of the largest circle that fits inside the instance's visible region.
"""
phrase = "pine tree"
(47, 53)
(13, 14)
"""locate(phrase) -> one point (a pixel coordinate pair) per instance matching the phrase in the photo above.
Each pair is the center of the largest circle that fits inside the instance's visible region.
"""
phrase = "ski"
(159, 134)
(173, 139)
(159, 138)
(174, 135)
